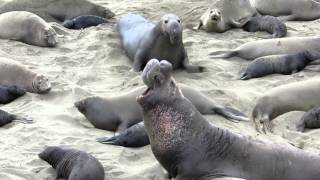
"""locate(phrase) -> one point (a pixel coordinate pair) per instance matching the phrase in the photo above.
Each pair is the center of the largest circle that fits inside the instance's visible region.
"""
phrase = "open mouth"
(149, 91)
(214, 18)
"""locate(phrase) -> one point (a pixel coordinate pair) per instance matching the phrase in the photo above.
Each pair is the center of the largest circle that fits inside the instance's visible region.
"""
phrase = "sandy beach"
(91, 62)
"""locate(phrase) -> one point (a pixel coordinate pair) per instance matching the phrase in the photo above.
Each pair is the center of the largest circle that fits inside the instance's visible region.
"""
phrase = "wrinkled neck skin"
(55, 157)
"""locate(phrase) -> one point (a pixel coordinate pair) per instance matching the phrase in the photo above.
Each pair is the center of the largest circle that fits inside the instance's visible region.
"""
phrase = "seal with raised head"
(143, 40)
(73, 164)
(13, 73)
(6, 118)
(270, 24)
(57, 10)
(298, 96)
(28, 28)
(265, 47)
(310, 120)
(10, 93)
(276, 64)
(189, 147)
(85, 21)
(299, 10)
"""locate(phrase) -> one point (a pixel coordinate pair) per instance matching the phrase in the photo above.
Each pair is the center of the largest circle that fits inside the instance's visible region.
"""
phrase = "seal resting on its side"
(310, 120)
(28, 28)
(84, 22)
(73, 164)
(9, 94)
(189, 147)
(13, 73)
(143, 40)
(6, 118)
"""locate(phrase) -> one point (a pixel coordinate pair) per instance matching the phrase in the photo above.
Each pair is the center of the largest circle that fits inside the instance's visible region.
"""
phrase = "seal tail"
(223, 54)
(231, 114)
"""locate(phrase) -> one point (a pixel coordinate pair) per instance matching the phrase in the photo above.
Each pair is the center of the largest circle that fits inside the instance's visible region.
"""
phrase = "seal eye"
(211, 12)
(166, 21)
(179, 21)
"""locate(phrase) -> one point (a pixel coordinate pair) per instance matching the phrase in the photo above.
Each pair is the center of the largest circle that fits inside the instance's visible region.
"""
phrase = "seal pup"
(265, 47)
(189, 147)
(104, 113)
(289, 10)
(310, 120)
(13, 73)
(6, 118)
(276, 64)
(298, 96)
(143, 40)
(9, 94)
(81, 22)
(73, 164)
(28, 28)
(270, 24)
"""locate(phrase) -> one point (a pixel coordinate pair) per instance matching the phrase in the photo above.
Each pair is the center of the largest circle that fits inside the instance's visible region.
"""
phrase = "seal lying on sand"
(143, 40)
(119, 113)
(289, 10)
(310, 120)
(9, 94)
(73, 164)
(225, 15)
(189, 147)
(28, 28)
(260, 48)
(6, 118)
(56, 10)
(298, 96)
(13, 73)
(84, 22)
(270, 24)
(281, 64)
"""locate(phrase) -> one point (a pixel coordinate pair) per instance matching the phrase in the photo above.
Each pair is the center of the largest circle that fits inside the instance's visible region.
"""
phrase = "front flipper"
(191, 68)
(230, 113)
(198, 26)
(240, 23)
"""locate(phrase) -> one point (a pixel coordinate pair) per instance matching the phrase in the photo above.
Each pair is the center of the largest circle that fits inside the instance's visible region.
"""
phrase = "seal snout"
(80, 105)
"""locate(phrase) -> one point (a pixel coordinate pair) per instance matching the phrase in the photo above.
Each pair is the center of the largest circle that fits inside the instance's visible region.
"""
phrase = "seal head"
(41, 84)
(171, 26)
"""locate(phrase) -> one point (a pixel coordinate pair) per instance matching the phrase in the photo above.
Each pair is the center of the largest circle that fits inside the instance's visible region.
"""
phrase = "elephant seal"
(310, 120)
(189, 147)
(83, 22)
(281, 64)
(13, 73)
(104, 113)
(260, 48)
(270, 24)
(10, 93)
(226, 14)
(298, 96)
(299, 10)
(57, 10)
(28, 28)
(6, 118)
(73, 164)
(143, 40)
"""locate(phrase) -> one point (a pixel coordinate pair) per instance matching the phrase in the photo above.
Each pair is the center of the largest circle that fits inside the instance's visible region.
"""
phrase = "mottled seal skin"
(57, 10)
(143, 40)
(276, 64)
(266, 47)
(290, 10)
(73, 164)
(28, 28)
(9, 94)
(189, 147)
(270, 24)
(83, 22)
(310, 120)
(298, 96)
(13, 73)
(6, 118)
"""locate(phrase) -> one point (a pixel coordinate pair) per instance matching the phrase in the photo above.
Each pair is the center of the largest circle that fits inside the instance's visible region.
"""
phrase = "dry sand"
(91, 62)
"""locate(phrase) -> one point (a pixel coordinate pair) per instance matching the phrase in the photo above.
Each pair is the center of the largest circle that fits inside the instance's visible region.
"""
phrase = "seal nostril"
(166, 21)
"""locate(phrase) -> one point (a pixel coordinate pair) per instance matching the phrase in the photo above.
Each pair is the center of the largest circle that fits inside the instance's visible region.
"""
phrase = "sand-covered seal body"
(73, 164)
(6, 118)
(189, 147)
(28, 28)
(277, 46)
(84, 22)
(9, 94)
(276, 64)
(13, 73)
(143, 40)
(310, 120)
(298, 96)
(270, 24)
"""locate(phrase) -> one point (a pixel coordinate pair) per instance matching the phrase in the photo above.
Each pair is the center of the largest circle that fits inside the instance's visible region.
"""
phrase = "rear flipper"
(223, 54)
(24, 120)
(231, 113)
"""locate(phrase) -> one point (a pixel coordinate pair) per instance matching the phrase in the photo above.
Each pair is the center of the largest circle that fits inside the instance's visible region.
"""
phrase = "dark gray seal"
(276, 64)
(6, 118)
(82, 22)
(10, 93)
(310, 120)
(143, 40)
(270, 24)
(73, 164)
(189, 147)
